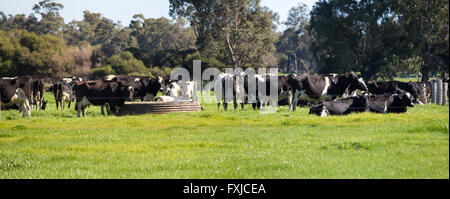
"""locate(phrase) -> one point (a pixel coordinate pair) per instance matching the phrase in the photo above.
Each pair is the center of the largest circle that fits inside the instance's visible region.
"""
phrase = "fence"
(439, 92)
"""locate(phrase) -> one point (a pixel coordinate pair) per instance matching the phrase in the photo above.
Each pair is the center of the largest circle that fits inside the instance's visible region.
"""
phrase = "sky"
(123, 10)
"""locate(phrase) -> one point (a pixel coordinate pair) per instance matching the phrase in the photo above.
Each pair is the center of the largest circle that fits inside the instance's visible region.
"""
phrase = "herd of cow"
(329, 94)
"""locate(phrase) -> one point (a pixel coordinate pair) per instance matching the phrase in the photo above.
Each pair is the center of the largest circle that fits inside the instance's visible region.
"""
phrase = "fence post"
(439, 92)
(444, 93)
(433, 91)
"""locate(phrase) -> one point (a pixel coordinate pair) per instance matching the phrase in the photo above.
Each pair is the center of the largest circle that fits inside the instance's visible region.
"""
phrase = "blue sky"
(123, 10)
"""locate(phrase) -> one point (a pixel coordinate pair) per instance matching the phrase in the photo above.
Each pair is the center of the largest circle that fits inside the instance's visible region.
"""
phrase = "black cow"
(320, 88)
(100, 92)
(17, 92)
(395, 87)
(342, 106)
(37, 99)
(395, 103)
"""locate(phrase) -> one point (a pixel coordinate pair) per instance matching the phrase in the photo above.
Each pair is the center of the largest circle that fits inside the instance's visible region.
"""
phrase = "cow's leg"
(242, 106)
(108, 109)
(103, 109)
(78, 106)
(218, 106)
(295, 101)
(84, 111)
(62, 105)
(56, 102)
(290, 99)
(68, 105)
(225, 106)
(235, 104)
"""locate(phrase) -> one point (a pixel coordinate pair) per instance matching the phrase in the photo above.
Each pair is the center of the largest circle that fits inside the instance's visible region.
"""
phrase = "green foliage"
(102, 71)
(242, 29)
(23, 52)
(294, 43)
(125, 63)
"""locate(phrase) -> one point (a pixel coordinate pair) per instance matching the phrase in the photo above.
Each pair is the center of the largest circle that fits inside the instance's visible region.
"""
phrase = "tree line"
(379, 39)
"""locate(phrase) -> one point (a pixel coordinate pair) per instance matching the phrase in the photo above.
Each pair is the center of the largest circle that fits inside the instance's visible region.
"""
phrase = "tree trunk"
(425, 73)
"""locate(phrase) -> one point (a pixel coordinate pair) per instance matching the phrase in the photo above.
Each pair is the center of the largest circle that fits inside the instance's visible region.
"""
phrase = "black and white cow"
(395, 103)
(17, 92)
(145, 88)
(342, 106)
(395, 87)
(63, 93)
(37, 99)
(320, 88)
(101, 92)
(175, 89)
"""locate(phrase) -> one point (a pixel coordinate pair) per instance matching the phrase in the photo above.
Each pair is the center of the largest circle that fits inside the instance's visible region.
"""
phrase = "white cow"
(21, 100)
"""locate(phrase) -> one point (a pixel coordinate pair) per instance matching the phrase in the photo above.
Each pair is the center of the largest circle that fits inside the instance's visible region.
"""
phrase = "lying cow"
(395, 103)
(100, 92)
(319, 88)
(342, 106)
(175, 89)
(165, 99)
(396, 87)
(17, 92)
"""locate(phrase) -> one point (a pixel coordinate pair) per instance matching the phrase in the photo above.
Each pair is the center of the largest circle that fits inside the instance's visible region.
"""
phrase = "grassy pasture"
(217, 144)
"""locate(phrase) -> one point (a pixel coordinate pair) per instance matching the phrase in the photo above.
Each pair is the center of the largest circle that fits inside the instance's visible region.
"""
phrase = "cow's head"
(415, 91)
(404, 99)
(126, 92)
(355, 82)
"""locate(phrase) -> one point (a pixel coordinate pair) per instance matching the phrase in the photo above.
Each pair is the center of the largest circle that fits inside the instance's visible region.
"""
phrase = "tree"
(161, 34)
(241, 28)
(126, 64)
(295, 42)
(25, 53)
(427, 25)
(51, 22)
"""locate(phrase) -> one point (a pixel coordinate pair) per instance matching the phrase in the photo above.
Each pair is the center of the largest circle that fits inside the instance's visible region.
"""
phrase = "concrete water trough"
(139, 108)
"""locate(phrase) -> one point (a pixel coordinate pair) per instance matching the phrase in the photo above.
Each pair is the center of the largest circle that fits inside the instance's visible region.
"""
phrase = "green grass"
(233, 144)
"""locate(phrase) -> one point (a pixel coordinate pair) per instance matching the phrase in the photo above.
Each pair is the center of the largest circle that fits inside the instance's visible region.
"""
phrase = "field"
(218, 144)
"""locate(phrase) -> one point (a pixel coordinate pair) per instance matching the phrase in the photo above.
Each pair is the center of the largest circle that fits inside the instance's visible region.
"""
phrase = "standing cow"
(37, 99)
(100, 92)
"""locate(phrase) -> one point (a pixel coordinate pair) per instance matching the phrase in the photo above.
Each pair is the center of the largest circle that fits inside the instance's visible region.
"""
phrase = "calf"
(395, 103)
(100, 92)
(342, 106)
